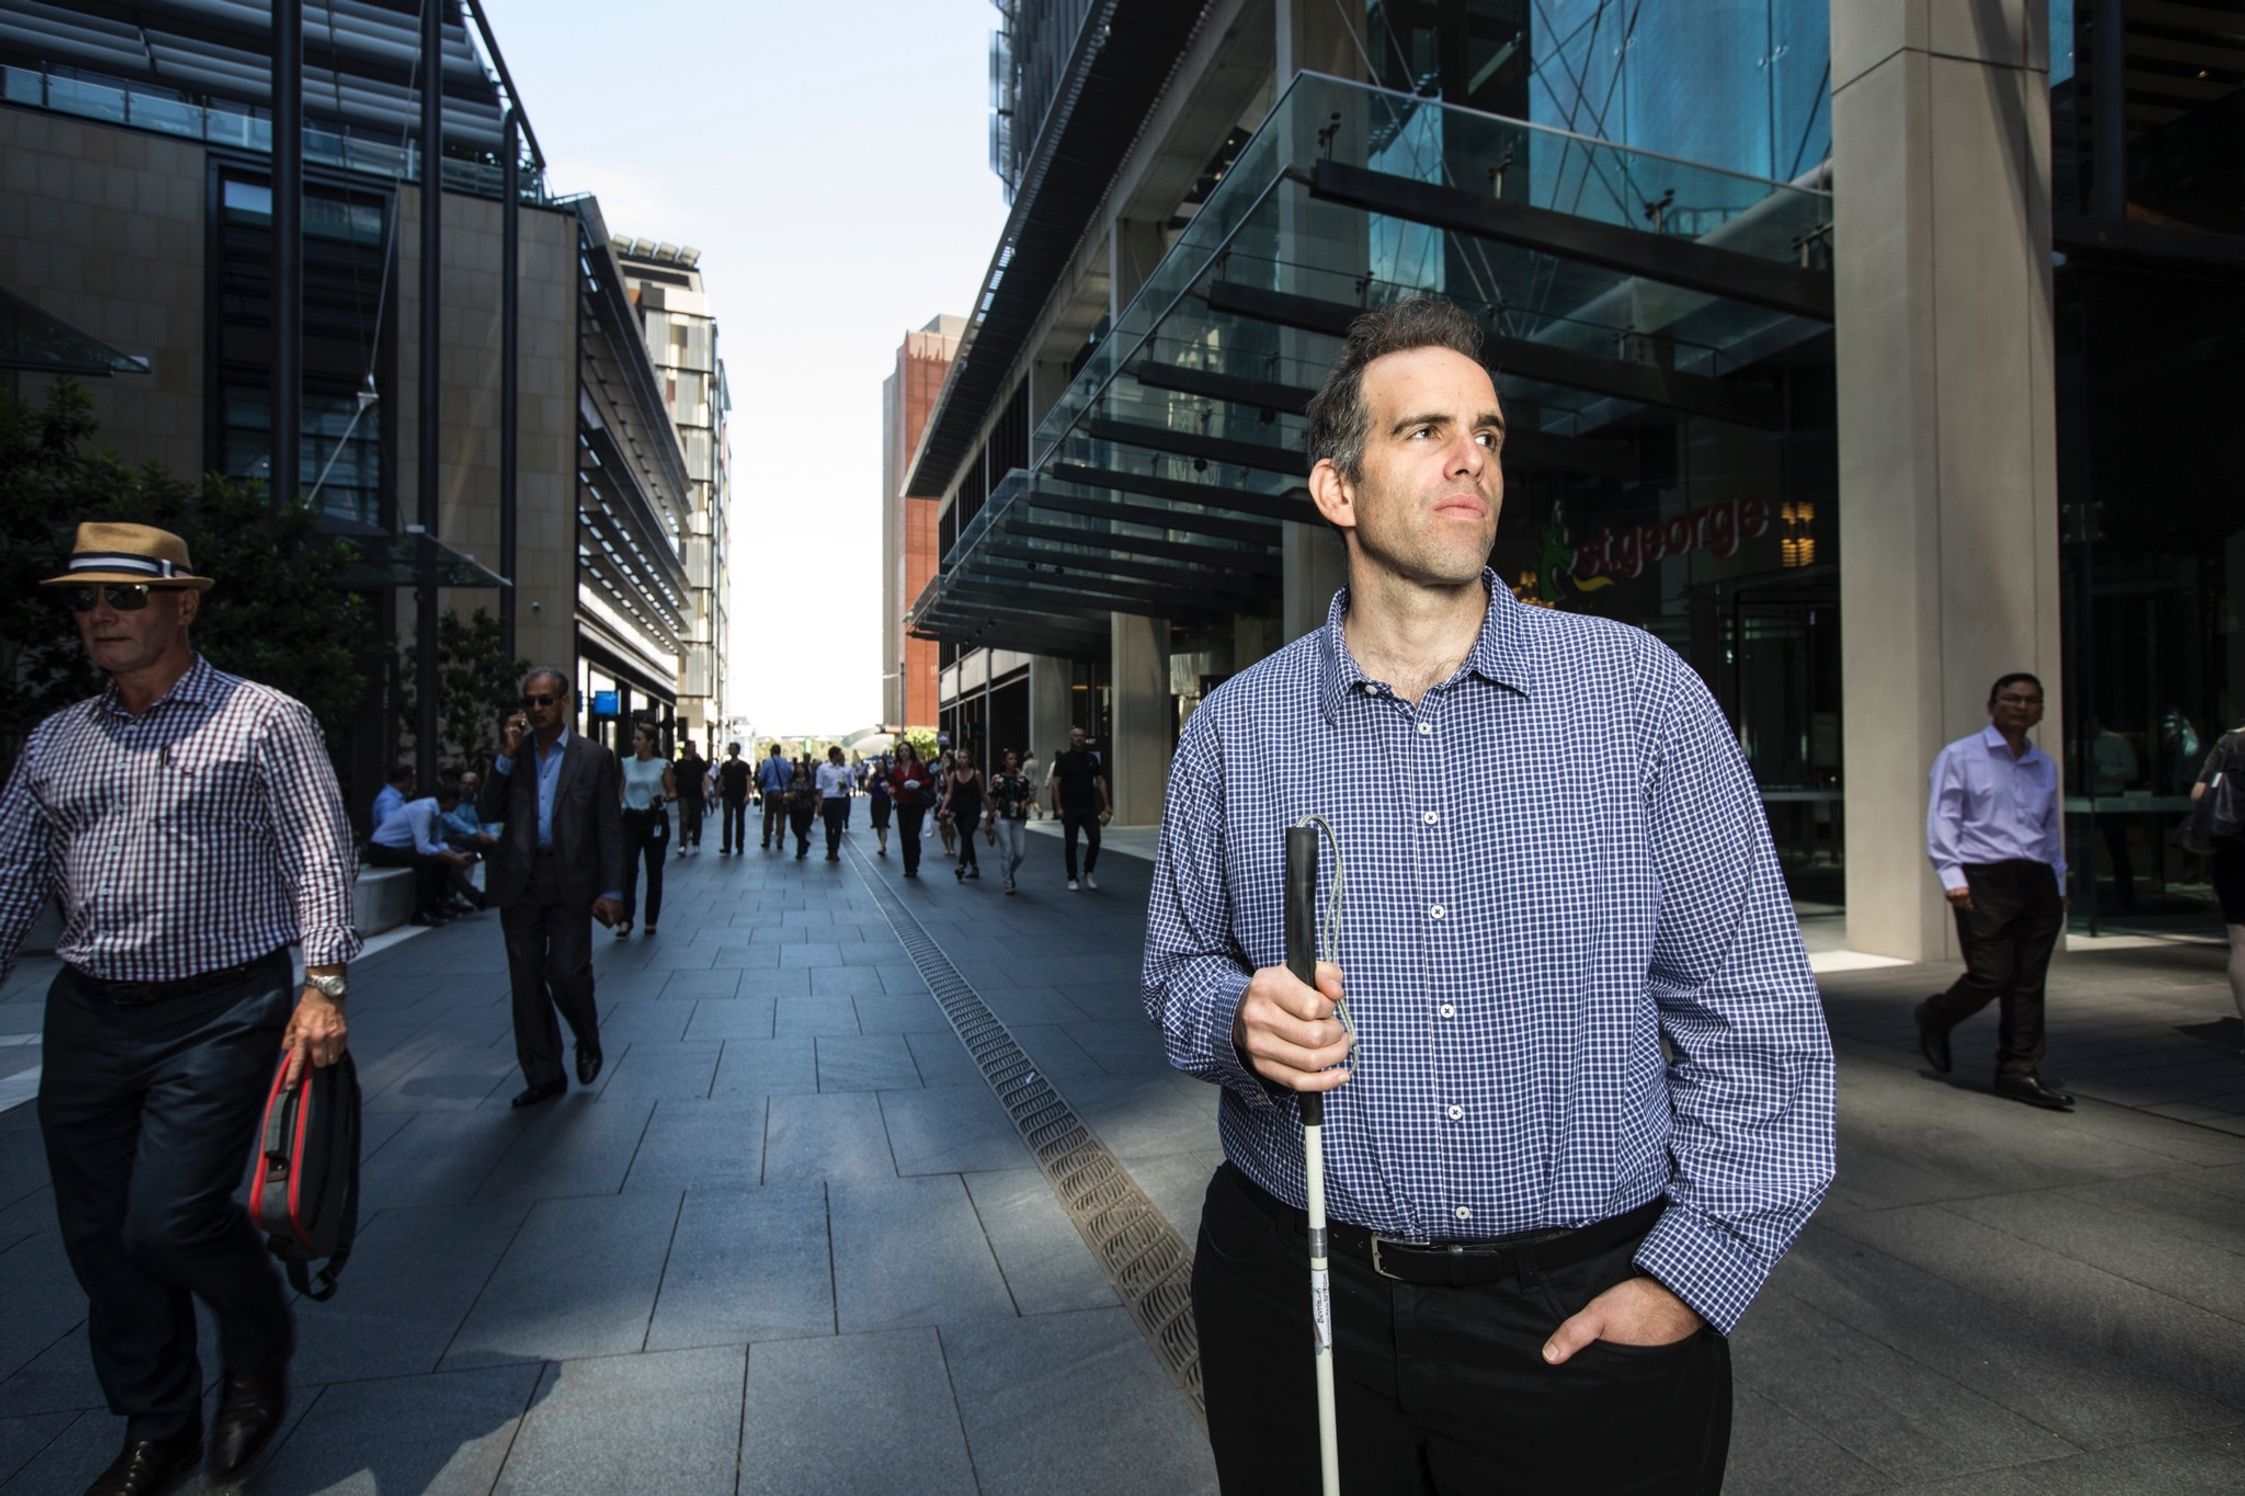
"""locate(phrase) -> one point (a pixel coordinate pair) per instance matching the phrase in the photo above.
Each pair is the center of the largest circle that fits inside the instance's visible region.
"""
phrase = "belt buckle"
(1380, 1267)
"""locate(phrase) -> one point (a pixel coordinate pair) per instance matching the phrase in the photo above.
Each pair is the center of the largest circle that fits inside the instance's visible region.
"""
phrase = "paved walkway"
(792, 1244)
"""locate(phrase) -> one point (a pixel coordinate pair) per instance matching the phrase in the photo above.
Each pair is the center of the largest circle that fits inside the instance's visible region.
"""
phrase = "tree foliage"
(279, 613)
(476, 685)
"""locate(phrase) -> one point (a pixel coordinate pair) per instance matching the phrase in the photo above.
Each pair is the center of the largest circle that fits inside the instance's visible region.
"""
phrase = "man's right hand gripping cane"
(1287, 1032)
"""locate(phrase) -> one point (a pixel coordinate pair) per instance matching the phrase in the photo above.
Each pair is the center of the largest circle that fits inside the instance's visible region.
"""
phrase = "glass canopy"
(1622, 292)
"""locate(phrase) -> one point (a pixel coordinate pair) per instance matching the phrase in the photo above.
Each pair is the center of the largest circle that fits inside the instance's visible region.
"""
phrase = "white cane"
(1301, 959)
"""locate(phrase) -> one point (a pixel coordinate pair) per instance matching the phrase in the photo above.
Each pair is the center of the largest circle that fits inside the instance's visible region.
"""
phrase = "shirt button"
(1426, 729)
(1464, 1214)
(1430, 817)
(1457, 1114)
(1435, 912)
(1448, 1010)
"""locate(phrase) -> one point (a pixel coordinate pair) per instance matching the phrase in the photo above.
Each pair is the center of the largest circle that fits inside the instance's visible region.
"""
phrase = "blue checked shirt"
(1555, 860)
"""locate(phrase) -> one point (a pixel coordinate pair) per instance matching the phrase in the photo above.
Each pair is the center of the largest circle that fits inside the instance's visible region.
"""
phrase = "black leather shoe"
(536, 1094)
(588, 1064)
(250, 1408)
(2033, 1092)
(1933, 1039)
(145, 1467)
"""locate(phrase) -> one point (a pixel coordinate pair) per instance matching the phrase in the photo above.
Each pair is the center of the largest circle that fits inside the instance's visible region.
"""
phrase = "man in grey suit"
(558, 866)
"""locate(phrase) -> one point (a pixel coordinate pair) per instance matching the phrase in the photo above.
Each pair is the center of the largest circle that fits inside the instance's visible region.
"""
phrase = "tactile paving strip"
(1149, 1264)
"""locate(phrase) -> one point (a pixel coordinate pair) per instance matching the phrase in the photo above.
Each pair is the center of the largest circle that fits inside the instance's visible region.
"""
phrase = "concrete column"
(1137, 756)
(1948, 494)
(1051, 714)
(1312, 567)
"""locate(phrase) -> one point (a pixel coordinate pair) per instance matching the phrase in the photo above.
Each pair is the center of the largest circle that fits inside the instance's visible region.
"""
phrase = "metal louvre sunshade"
(1619, 289)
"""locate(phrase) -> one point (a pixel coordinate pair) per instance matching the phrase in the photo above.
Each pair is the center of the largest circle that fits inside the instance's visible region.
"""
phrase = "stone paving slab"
(789, 1243)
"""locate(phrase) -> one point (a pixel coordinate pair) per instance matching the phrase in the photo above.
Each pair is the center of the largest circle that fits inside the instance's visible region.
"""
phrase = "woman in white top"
(649, 785)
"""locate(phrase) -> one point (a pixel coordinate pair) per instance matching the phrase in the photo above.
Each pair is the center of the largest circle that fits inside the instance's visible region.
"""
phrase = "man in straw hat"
(189, 823)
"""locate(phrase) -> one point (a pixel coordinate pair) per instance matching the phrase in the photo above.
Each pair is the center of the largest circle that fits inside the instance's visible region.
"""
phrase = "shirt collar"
(1990, 738)
(1502, 653)
(198, 687)
(538, 749)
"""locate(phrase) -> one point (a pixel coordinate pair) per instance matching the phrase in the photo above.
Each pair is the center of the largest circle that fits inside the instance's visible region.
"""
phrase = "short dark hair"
(545, 672)
(400, 773)
(449, 790)
(2012, 679)
(1340, 421)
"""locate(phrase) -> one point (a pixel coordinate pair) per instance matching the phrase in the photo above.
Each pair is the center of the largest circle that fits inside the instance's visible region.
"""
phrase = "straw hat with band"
(105, 552)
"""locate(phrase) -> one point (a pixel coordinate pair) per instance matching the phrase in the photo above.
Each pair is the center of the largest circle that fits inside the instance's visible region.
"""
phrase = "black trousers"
(690, 820)
(646, 838)
(732, 826)
(800, 816)
(1441, 1390)
(430, 874)
(775, 821)
(549, 966)
(2007, 936)
(908, 822)
(968, 818)
(149, 1113)
(837, 813)
(1086, 822)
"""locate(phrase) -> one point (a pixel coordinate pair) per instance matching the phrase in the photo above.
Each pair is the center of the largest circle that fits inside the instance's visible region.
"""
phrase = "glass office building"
(1638, 201)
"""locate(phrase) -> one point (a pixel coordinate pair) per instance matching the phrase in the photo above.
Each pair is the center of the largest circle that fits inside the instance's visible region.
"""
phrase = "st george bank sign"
(1622, 555)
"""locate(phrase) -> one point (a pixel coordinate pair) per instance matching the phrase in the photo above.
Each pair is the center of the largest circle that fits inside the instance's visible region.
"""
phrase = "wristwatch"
(332, 987)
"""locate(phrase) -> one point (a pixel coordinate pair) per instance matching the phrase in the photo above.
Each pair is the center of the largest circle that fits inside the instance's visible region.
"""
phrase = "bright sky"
(831, 162)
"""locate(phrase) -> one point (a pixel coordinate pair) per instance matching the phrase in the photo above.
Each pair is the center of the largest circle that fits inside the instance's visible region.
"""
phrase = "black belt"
(1460, 1264)
(134, 994)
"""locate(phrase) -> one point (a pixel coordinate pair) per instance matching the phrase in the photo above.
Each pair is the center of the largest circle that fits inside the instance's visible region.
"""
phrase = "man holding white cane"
(1542, 1226)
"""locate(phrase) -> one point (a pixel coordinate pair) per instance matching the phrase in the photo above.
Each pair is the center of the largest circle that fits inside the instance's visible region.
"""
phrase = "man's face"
(469, 784)
(1076, 739)
(545, 702)
(119, 642)
(1425, 508)
(2017, 707)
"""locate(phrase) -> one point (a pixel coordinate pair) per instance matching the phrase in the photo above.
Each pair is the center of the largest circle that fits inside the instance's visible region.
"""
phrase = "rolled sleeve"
(1752, 1082)
(311, 835)
(1194, 974)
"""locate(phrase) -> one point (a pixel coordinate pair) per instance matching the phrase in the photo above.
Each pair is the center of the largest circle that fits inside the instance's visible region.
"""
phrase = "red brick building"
(909, 547)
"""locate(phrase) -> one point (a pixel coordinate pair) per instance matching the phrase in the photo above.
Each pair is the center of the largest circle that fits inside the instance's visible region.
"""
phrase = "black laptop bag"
(304, 1175)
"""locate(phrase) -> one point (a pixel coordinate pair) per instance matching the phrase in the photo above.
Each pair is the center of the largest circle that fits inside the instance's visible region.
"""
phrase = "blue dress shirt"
(386, 800)
(1556, 859)
(415, 826)
(1987, 806)
(549, 780)
(463, 821)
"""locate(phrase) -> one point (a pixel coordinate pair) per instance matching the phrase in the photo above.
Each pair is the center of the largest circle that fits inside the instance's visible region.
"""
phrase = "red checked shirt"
(198, 835)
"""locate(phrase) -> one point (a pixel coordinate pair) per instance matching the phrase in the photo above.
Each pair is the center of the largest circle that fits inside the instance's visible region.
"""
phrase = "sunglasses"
(540, 699)
(124, 597)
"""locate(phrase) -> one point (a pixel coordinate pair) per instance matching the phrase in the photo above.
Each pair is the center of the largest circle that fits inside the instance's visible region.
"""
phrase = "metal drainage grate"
(1145, 1259)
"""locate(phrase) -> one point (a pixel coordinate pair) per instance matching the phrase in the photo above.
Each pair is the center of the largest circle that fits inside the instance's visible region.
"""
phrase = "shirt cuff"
(614, 893)
(1220, 1057)
(502, 765)
(1952, 878)
(1702, 1263)
(331, 946)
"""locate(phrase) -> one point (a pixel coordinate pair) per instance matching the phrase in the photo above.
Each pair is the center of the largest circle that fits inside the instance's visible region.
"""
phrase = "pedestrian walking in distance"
(1994, 837)
(687, 775)
(802, 805)
(1542, 1223)
(732, 803)
(649, 785)
(1079, 800)
(774, 777)
(877, 794)
(834, 782)
(963, 802)
(1011, 795)
(945, 827)
(559, 867)
(2226, 765)
(189, 824)
(909, 788)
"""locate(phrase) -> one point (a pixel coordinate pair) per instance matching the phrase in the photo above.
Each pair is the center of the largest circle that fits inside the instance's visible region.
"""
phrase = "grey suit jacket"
(588, 827)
